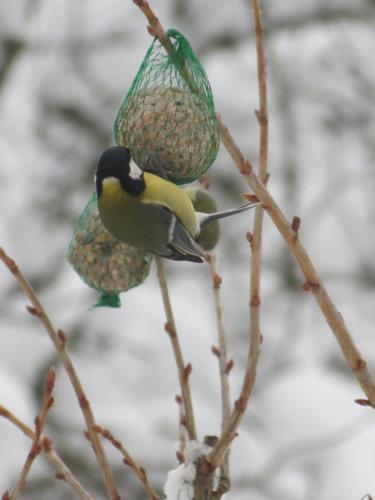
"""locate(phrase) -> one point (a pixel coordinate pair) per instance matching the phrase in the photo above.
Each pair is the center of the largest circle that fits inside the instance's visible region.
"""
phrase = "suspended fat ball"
(168, 119)
(103, 262)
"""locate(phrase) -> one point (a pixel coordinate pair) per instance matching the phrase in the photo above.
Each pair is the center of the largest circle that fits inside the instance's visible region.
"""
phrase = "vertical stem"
(183, 371)
(223, 359)
(181, 429)
(262, 114)
(224, 365)
(255, 239)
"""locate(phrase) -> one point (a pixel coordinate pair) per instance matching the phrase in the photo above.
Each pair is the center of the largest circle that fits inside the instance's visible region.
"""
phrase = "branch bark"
(225, 366)
(36, 446)
(313, 283)
(129, 460)
(222, 351)
(183, 370)
(62, 471)
(59, 340)
(255, 240)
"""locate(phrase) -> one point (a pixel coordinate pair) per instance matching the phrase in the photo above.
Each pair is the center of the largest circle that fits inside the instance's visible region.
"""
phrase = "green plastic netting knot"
(108, 300)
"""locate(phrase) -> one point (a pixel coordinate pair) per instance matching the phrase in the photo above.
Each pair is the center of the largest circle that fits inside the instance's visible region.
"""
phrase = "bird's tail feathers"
(206, 218)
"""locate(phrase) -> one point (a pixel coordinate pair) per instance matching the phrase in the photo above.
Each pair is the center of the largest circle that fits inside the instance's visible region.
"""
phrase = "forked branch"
(62, 471)
(129, 460)
(59, 340)
(36, 446)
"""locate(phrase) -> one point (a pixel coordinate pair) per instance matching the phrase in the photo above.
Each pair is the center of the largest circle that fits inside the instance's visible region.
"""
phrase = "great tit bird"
(146, 211)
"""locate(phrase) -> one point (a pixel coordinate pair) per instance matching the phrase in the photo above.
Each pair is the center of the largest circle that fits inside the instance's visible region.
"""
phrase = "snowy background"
(65, 67)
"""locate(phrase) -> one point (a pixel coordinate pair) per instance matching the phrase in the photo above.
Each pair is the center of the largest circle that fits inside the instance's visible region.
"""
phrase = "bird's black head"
(116, 162)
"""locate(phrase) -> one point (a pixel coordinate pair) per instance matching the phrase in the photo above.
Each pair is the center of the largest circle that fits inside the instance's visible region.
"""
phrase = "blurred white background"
(65, 67)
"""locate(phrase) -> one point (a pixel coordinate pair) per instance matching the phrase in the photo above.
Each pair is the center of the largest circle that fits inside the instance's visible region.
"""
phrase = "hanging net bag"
(167, 119)
(103, 262)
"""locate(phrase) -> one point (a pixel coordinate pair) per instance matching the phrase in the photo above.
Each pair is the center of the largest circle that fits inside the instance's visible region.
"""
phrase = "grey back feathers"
(184, 244)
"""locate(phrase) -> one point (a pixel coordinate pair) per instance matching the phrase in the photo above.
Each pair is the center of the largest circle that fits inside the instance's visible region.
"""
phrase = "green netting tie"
(108, 300)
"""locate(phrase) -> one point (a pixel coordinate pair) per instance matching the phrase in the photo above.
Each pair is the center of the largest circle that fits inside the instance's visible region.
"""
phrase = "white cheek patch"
(134, 171)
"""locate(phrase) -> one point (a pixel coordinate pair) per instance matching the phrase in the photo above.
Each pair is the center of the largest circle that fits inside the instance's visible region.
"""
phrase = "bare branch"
(36, 446)
(58, 339)
(154, 28)
(313, 283)
(182, 435)
(262, 114)
(229, 432)
(183, 370)
(221, 352)
(62, 471)
(128, 460)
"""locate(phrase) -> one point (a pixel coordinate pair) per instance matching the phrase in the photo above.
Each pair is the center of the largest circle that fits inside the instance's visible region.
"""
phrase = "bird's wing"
(205, 218)
(180, 245)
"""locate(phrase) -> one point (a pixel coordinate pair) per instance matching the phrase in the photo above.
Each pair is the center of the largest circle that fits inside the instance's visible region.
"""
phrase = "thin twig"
(183, 370)
(59, 340)
(181, 429)
(36, 446)
(225, 365)
(155, 28)
(262, 114)
(128, 460)
(255, 240)
(62, 471)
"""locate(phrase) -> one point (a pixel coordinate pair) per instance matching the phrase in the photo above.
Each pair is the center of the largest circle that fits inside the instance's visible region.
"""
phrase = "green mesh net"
(167, 119)
(103, 262)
